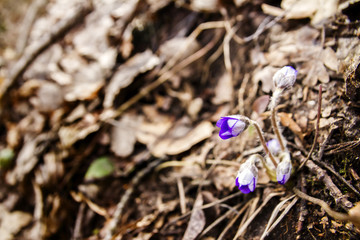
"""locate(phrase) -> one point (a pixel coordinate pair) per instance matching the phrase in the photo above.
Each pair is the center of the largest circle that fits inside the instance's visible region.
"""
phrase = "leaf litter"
(108, 118)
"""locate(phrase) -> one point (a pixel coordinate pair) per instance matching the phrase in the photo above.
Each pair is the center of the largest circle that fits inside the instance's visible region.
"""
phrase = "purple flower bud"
(283, 170)
(285, 77)
(231, 126)
(247, 177)
(274, 146)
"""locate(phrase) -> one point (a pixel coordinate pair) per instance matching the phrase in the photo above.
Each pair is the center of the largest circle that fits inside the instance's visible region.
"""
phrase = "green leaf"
(6, 157)
(100, 168)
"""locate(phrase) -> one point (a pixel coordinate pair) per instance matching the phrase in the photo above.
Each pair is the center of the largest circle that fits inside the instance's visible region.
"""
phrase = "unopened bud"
(285, 77)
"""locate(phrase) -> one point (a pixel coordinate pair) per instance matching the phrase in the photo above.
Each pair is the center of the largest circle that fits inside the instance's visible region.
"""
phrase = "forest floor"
(109, 110)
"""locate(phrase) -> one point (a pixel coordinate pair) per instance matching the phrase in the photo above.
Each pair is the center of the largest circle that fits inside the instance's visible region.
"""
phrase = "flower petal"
(220, 122)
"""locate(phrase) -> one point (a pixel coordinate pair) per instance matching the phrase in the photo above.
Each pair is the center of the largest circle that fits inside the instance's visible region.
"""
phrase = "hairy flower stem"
(262, 140)
(276, 129)
(274, 123)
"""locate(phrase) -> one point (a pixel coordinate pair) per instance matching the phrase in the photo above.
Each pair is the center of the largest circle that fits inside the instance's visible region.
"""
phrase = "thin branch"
(326, 179)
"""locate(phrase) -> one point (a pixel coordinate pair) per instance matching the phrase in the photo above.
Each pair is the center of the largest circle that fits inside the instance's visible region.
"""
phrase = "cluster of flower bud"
(234, 125)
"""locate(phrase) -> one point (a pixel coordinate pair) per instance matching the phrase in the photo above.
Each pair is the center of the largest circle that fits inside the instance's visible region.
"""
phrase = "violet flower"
(283, 170)
(247, 177)
(231, 126)
(285, 77)
(274, 146)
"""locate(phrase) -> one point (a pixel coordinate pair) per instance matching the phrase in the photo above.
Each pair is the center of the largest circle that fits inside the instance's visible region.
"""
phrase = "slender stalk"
(274, 123)
(262, 140)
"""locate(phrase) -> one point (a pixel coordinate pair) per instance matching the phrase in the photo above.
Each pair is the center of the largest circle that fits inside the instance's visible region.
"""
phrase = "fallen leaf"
(126, 73)
(12, 222)
(223, 177)
(271, 10)
(315, 71)
(197, 220)
(329, 58)
(25, 161)
(123, 136)
(317, 11)
(86, 83)
(287, 121)
(265, 76)
(299, 9)
(49, 97)
(260, 104)
(223, 90)
(205, 6)
(173, 146)
(149, 132)
(70, 134)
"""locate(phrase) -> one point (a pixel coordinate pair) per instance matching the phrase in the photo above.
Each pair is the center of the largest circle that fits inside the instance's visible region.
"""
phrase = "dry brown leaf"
(148, 133)
(287, 121)
(315, 71)
(197, 220)
(224, 89)
(86, 83)
(317, 10)
(329, 58)
(176, 145)
(299, 9)
(260, 104)
(25, 161)
(271, 10)
(223, 177)
(205, 6)
(49, 97)
(92, 41)
(194, 107)
(12, 222)
(70, 134)
(123, 135)
(126, 73)
(265, 76)
(50, 171)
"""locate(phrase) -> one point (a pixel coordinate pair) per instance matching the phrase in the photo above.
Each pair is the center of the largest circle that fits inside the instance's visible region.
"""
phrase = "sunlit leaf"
(100, 168)
(6, 156)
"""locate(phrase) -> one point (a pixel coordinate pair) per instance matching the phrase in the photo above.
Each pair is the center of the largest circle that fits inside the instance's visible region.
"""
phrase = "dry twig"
(336, 215)
(325, 178)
